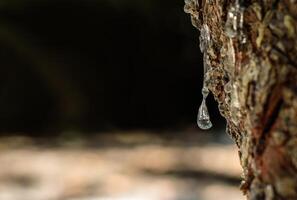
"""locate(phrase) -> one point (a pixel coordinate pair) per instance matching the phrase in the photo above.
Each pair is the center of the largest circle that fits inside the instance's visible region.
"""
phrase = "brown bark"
(261, 109)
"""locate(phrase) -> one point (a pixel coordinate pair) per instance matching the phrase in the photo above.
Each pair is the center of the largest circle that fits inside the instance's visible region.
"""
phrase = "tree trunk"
(261, 106)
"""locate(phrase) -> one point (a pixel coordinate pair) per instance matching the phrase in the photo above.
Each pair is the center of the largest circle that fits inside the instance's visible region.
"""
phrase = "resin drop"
(203, 119)
(231, 23)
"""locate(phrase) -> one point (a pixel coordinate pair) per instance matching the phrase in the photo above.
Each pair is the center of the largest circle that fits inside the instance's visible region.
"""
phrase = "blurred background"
(98, 100)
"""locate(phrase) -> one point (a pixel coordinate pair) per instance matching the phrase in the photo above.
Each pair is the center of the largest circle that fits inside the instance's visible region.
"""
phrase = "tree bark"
(261, 108)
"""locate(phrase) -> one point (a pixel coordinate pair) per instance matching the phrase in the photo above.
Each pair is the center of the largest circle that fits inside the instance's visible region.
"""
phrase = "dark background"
(99, 65)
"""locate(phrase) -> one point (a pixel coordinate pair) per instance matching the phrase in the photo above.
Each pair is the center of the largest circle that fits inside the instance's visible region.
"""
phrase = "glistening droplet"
(231, 23)
(203, 119)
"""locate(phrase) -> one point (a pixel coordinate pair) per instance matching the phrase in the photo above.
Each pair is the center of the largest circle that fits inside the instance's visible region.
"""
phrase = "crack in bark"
(273, 108)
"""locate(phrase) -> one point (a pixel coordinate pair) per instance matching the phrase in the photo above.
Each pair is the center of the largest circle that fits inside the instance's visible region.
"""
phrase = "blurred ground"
(119, 166)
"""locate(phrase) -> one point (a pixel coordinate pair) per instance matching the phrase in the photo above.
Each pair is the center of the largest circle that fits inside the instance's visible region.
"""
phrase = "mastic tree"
(252, 56)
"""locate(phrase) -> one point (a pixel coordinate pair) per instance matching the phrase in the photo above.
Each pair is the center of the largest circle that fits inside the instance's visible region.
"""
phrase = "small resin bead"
(203, 119)
(231, 23)
(205, 92)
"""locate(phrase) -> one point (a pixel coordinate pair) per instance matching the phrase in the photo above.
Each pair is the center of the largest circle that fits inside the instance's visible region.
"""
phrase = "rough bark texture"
(261, 109)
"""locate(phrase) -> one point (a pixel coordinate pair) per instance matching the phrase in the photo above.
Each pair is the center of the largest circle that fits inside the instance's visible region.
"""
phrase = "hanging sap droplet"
(203, 119)
(231, 23)
(205, 92)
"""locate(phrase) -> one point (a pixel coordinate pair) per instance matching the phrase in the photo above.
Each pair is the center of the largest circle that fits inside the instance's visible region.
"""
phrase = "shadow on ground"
(132, 166)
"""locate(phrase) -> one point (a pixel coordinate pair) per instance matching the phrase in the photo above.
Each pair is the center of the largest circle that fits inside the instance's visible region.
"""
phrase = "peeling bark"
(261, 108)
